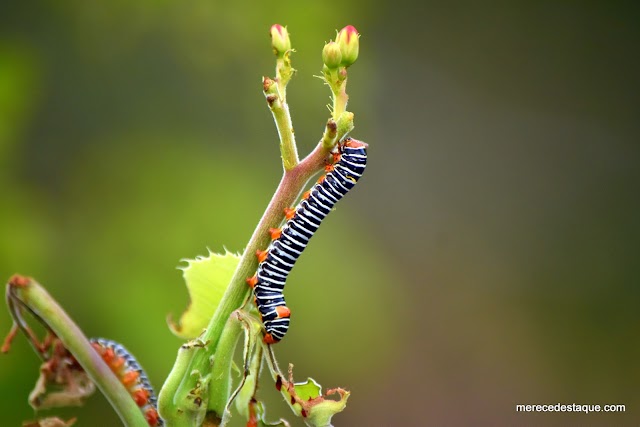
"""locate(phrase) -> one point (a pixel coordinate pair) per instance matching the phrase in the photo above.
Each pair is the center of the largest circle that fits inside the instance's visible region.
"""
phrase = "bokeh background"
(489, 256)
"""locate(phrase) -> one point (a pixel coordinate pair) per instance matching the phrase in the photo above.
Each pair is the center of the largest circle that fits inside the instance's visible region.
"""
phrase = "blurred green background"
(489, 256)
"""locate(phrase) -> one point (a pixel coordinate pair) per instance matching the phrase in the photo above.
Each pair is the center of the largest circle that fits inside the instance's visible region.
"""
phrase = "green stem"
(33, 296)
(182, 401)
(330, 134)
(280, 110)
(340, 99)
(220, 387)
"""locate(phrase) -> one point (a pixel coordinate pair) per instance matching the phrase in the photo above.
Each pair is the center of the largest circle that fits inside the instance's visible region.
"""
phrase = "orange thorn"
(252, 281)
(269, 339)
(289, 213)
(306, 194)
(321, 179)
(275, 233)
(283, 311)
(329, 168)
(262, 255)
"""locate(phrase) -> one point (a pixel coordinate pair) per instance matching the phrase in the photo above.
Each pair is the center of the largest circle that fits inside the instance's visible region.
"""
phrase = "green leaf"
(307, 401)
(207, 279)
(308, 390)
(316, 410)
(321, 410)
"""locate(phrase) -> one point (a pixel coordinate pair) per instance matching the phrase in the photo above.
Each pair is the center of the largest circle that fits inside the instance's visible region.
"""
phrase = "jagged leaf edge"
(206, 278)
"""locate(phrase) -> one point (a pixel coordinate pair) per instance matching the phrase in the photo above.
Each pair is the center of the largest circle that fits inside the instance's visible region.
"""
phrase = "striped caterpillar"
(288, 243)
(132, 376)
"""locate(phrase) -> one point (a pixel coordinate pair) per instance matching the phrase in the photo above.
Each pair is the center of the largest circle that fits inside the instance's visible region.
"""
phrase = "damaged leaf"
(207, 279)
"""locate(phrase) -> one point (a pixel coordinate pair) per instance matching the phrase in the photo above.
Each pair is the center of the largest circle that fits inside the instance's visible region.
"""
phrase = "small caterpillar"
(132, 376)
(288, 243)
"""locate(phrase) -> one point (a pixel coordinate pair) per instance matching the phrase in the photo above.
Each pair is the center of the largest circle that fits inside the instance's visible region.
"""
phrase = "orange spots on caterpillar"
(253, 419)
(275, 233)
(130, 378)
(283, 311)
(131, 375)
(141, 396)
(289, 213)
(269, 339)
(252, 281)
(152, 417)
(329, 168)
(117, 364)
(110, 358)
(321, 179)
(262, 255)
(306, 195)
(354, 143)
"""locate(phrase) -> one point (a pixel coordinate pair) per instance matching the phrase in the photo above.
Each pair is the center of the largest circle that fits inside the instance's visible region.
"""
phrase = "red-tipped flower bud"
(280, 39)
(347, 39)
(331, 55)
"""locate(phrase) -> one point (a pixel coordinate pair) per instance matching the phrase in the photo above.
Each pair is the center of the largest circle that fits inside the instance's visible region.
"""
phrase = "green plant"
(199, 390)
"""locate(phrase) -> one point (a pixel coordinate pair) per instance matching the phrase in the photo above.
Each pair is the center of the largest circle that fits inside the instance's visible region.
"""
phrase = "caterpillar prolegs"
(302, 222)
(132, 376)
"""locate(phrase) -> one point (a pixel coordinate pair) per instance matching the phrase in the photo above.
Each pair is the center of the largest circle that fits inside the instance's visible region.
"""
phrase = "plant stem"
(340, 99)
(34, 297)
(274, 92)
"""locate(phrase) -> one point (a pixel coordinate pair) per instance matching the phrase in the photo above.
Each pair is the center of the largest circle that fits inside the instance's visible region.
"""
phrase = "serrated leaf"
(207, 279)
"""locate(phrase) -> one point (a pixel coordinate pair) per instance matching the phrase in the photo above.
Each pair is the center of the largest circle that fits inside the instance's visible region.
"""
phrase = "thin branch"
(29, 294)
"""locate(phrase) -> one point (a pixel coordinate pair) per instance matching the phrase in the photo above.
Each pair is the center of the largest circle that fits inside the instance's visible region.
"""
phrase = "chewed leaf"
(207, 279)
(307, 401)
(308, 390)
(62, 382)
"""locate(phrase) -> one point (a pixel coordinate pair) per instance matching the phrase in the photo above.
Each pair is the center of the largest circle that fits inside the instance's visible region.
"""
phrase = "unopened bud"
(331, 55)
(280, 39)
(347, 39)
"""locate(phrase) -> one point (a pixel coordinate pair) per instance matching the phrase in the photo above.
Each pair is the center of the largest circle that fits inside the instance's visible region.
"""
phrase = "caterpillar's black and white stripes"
(302, 222)
(132, 376)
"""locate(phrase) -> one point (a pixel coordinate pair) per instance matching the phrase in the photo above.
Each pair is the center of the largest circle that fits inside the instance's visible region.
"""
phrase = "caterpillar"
(132, 376)
(287, 243)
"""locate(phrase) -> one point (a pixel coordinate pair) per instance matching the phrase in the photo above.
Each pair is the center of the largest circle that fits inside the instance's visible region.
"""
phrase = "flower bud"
(331, 55)
(347, 39)
(280, 39)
